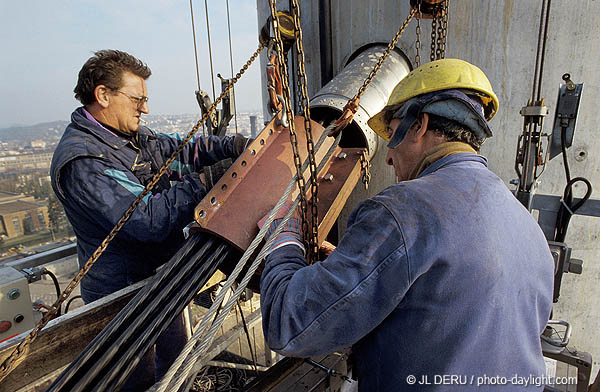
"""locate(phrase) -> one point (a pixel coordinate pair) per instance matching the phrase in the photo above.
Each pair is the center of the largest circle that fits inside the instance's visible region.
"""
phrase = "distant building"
(20, 215)
(253, 126)
(25, 161)
(38, 144)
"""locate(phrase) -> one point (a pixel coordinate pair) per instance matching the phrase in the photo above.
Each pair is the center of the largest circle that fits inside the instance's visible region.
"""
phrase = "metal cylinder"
(329, 102)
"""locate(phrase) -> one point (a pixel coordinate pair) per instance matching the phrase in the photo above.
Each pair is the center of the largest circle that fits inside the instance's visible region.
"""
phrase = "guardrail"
(44, 257)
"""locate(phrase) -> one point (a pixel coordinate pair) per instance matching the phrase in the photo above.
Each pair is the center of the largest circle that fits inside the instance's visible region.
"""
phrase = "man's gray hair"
(453, 131)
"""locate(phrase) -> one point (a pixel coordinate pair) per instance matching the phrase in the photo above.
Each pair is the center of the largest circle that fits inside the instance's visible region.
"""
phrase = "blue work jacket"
(97, 174)
(445, 275)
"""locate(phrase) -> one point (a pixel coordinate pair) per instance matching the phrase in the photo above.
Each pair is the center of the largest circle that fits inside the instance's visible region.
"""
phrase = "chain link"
(287, 101)
(10, 362)
(444, 28)
(418, 34)
(365, 169)
(433, 36)
(440, 33)
(313, 240)
(385, 54)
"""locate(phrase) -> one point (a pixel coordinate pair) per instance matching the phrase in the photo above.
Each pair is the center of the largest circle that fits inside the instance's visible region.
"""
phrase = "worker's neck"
(99, 114)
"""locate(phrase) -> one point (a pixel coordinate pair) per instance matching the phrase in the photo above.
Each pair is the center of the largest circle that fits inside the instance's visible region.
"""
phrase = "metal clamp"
(564, 341)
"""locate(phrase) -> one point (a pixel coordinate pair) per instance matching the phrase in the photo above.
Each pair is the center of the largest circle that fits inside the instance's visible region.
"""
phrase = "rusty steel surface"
(254, 183)
(337, 180)
(258, 178)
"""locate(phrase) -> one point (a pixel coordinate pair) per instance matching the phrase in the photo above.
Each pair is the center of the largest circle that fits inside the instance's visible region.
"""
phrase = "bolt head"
(14, 294)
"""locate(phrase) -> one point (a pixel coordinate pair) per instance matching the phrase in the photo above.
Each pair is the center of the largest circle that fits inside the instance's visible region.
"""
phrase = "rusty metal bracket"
(258, 178)
(428, 8)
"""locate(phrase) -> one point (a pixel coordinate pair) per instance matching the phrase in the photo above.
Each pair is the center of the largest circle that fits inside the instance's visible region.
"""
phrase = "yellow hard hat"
(437, 75)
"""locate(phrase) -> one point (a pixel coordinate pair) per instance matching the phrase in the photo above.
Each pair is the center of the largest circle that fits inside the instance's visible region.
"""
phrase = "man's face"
(405, 156)
(123, 112)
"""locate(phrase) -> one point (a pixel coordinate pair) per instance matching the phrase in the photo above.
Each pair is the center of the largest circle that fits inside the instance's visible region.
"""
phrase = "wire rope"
(196, 55)
(212, 72)
(185, 364)
(231, 65)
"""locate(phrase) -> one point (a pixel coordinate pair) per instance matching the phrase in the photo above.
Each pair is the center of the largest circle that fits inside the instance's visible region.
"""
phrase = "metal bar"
(551, 203)
(43, 258)
(63, 338)
(125, 364)
(232, 365)
(581, 360)
(144, 303)
(224, 341)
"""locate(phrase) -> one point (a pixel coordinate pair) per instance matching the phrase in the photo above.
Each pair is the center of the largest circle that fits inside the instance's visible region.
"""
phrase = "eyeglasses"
(140, 101)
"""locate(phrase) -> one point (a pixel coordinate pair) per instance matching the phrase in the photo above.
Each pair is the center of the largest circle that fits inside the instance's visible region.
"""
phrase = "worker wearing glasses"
(103, 162)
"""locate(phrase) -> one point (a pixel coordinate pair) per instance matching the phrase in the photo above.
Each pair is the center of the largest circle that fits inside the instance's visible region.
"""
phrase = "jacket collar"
(83, 119)
(451, 159)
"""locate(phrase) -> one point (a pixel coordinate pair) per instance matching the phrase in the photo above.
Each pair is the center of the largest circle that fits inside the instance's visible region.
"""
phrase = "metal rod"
(231, 65)
(537, 54)
(212, 72)
(137, 327)
(237, 366)
(195, 48)
(543, 53)
(127, 363)
(142, 299)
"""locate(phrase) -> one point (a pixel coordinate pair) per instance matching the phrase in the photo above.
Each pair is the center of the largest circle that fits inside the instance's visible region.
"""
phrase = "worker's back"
(480, 286)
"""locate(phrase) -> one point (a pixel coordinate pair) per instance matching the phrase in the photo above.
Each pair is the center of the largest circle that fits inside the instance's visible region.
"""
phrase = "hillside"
(27, 133)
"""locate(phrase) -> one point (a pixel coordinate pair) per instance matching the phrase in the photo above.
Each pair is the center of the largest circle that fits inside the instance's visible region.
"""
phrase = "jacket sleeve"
(199, 152)
(102, 192)
(318, 309)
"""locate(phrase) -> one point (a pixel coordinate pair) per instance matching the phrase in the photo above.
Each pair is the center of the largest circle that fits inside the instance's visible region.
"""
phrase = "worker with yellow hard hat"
(443, 274)
(457, 82)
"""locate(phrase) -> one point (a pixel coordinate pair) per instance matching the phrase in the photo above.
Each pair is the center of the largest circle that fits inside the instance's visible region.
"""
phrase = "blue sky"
(44, 43)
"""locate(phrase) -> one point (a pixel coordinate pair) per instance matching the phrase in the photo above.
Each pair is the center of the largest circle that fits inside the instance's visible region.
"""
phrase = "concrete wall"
(501, 38)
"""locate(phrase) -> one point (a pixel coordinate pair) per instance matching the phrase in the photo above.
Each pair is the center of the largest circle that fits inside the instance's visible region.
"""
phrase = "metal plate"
(254, 183)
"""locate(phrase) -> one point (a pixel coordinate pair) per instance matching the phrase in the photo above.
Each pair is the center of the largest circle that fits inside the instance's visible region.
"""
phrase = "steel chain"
(385, 54)
(313, 240)
(418, 34)
(365, 169)
(433, 36)
(444, 28)
(8, 365)
(440, 32)
(287, 101)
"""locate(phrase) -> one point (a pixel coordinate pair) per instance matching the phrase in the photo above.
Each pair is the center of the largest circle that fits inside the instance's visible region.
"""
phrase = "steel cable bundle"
(110, 358)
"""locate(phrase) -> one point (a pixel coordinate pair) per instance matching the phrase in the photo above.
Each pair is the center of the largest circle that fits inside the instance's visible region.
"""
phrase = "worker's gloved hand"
(240, 143)
(291, 233)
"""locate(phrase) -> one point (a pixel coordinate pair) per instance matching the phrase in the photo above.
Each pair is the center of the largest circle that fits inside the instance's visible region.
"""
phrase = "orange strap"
(274, 84)
(346, 116)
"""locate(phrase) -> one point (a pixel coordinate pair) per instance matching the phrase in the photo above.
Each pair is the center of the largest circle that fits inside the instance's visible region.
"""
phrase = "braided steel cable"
(165, 382)
(124, 323)
(198, 358)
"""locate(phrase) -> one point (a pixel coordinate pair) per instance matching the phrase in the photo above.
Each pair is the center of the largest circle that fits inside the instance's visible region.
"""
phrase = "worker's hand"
(240, 143)
(325, 249)
(292, 230)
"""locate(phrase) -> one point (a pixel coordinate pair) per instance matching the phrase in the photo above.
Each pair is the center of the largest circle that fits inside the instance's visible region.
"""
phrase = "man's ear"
(102, 95)
(421, 126)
